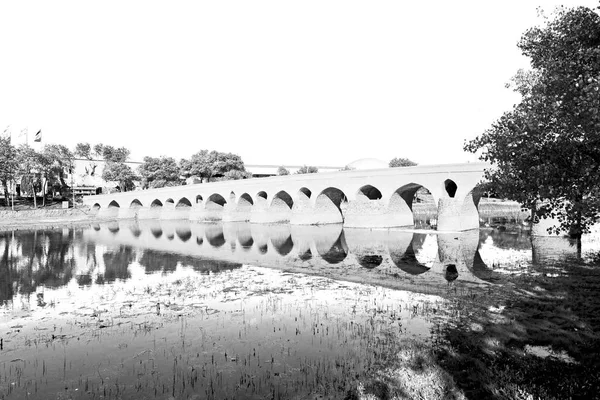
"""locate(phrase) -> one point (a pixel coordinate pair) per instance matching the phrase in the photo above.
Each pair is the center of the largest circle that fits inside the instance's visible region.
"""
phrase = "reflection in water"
(104, 253)
(171, 309)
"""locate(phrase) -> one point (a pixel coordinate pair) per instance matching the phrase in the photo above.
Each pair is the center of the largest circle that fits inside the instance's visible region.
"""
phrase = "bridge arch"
(215, 200)
(183, 202)
(262, 194)
(199, 199)
(413, 204)
(135, 204)
(305, 191)
(451, 187)
(169, 201)
(183, 233)
(282, 199)
(245, 200)
(96, 207)
(329, 204)
(370, 192)
(156, 203)
(113, 204)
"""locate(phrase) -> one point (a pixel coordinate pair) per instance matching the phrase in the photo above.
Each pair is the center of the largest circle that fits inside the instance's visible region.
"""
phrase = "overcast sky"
(277, 82)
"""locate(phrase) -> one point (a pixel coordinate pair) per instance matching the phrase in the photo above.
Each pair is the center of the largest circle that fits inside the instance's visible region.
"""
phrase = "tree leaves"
(547, 148)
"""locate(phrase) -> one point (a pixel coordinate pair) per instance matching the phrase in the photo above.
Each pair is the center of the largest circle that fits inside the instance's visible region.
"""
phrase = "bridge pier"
(170, 212)
(457, 213)
(366, 213)
(148, 212)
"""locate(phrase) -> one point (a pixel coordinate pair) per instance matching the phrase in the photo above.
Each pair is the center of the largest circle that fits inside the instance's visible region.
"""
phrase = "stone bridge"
(381, 198)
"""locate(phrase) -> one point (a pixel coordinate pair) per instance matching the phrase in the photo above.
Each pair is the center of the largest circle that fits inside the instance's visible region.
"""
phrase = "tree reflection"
(116, 263)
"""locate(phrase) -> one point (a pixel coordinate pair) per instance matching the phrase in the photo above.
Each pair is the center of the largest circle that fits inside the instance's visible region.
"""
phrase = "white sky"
(277, 82)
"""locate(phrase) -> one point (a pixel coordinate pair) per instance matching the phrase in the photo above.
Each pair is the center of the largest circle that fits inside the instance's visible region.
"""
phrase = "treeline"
(47, 169)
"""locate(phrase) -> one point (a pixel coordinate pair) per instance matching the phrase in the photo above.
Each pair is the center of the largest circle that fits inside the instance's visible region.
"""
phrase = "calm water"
(185, 310)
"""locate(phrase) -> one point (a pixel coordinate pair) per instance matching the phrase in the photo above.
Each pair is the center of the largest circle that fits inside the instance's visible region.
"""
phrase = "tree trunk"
(5, 187)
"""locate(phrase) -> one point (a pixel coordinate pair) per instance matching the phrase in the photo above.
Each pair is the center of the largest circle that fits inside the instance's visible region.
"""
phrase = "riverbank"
(41, 217)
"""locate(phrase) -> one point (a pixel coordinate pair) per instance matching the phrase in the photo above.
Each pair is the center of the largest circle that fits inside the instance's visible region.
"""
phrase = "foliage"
(207, 164)
(57, 160)
(235, 174)
(30, 165)
(100, 151)
(121, 173)
(307, 170)
(401, 162)
(282, 170)
(8, 164)
(347, 168)
(159, 172)
(546, 150)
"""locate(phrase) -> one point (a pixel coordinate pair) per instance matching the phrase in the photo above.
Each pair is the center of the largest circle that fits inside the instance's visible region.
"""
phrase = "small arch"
(305, 191)
(307, 255)
(371, 192)
(183, 202)
(337, 252)
(198, 199)
(245, 200)
(262, 194)
(232, 197)
(450, 187)
(370, 261)
(282, 197)
(451, 273)
(216, 240)
(283, 247)
(199, 240)
(246, 242)
(156, 203)
(96, 207)
(170, 201)
(135, 204)
(113, 204)
(263, 248)
(156, 232)
(216, 199)
(184, 234)
(135, 231)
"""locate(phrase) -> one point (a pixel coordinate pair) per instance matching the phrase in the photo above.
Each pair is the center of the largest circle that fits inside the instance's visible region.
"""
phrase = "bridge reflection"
(326, 249)
(105, 253)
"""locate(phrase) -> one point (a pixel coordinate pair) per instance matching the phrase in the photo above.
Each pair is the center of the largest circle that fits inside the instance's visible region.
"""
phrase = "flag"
(38, 136)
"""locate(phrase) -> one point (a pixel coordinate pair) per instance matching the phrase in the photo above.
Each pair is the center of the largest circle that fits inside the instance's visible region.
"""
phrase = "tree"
(282, 171)
(159, 172)
(55, 161)
(235, 174)
(546, 150)
(401, 162)
(347, 168)
(307, 170)
(30, 163)
(207, 164)
(8, 165)
(121, 173)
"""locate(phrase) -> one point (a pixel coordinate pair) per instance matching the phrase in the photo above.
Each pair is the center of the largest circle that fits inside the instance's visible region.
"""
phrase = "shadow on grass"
(540, 340)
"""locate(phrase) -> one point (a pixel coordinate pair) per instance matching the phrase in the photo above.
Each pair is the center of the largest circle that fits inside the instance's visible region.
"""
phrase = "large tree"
(157, 172)
(546, 150)
(207, 164)
(56, 160)
(8, 165)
